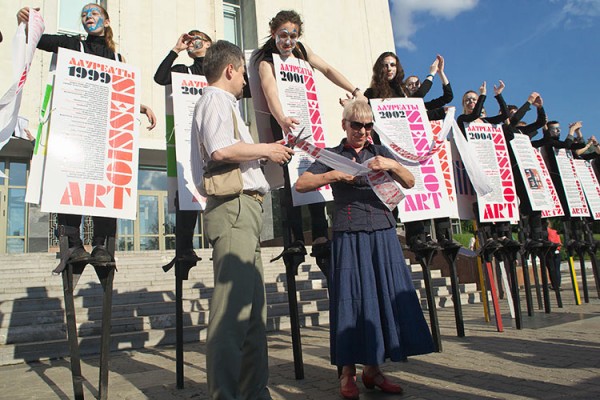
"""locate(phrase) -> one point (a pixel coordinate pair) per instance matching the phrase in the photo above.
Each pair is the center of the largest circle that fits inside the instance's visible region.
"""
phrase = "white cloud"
(402, 12)
(576, 14)
(580, 8)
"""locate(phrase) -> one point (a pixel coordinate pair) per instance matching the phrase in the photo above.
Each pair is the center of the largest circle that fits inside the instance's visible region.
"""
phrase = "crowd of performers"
(374, 311)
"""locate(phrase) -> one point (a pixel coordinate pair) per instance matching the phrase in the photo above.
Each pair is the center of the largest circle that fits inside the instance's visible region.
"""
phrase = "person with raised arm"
(285, 30)
(99, 42)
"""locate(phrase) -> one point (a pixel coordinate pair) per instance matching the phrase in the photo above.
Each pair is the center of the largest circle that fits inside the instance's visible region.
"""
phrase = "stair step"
(32, 323)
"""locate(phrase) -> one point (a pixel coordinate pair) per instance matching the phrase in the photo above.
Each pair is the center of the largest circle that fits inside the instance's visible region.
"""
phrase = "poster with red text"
(447, 166)
(262, 117)
(531, 173)
(556, 210)
(465, 193)
(300, 99)
(186, 89)
(590, 184)
(92, 159)
(403, 125)
(490, 146)
(573, 190)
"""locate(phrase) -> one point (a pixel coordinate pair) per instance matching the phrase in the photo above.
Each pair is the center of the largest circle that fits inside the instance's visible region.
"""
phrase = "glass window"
(124, 235)
(16, 212)
(232, 23)
(69, 18)
(149, 243)
(169, 225)
(152, 179)
(2, 169)
(17, 174)
(148, 215)
(15, 246)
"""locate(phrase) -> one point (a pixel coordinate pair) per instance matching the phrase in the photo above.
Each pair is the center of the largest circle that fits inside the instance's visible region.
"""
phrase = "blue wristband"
(430, 75)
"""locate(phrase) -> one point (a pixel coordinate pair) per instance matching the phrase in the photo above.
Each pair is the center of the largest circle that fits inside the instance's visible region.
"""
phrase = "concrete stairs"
(32, 320)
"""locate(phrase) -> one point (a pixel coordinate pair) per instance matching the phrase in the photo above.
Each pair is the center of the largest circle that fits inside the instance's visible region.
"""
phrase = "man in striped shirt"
(236, 359)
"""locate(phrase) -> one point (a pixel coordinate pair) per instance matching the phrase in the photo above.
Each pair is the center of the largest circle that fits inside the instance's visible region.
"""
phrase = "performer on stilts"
(99, 42)
(196, 43)
(285, 30)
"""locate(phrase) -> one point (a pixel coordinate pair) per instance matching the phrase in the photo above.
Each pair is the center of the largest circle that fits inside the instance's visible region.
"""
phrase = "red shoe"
(385, 386)
(349, 390)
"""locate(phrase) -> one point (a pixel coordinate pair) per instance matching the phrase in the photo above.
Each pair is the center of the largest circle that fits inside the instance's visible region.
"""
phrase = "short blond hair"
(357, 109)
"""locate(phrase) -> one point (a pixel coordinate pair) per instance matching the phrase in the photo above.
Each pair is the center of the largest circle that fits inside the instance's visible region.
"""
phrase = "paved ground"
(554, 356)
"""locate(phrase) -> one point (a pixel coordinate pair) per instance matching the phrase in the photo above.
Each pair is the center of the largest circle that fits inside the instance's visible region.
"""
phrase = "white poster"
(556, 210)
(24, 45)
(571, 184)
(92, 160)
(490, 146)
(466, 195)
(262, 116)
(403, 127)
(531, 172)
(170, 150)
(187, 89)
(299, 99)
(35, 179)
(445, 158)
(591, 188)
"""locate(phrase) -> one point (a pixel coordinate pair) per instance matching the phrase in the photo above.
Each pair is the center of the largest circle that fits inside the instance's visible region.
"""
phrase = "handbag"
(223, 179)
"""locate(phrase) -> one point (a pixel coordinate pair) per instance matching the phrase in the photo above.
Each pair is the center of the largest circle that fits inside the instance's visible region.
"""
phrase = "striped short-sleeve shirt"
(213, 127)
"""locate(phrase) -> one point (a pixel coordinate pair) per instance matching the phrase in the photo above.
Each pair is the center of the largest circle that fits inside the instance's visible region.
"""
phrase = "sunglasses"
(357, 126)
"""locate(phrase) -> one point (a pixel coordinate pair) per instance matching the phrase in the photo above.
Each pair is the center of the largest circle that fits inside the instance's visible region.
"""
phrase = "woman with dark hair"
(285, 30)
(374, 310)
(388, 82)
(99, 42)
(388, 78)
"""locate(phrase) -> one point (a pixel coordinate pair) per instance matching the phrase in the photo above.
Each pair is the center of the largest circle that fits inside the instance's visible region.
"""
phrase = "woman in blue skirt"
(375, 313)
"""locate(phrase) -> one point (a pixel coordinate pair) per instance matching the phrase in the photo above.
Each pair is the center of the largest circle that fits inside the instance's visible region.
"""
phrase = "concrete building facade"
(349, 34)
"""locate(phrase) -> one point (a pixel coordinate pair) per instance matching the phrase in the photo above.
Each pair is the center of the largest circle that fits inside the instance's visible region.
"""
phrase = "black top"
(530, 130)
(435, 107)
(397, 92)
(163, 73)
(95, 45)
(356, 206)
(556, 143)
(497, 119)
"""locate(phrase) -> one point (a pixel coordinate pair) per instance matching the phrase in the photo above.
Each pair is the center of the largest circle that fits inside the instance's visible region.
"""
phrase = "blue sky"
(548, 46)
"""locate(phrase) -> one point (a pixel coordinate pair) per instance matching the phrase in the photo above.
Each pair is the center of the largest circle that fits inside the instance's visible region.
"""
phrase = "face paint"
(92, 13)
(286, 41)
(197, 43)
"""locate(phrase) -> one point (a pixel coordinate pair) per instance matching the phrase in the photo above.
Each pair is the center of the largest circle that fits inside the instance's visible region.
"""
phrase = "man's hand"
(279, 153)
